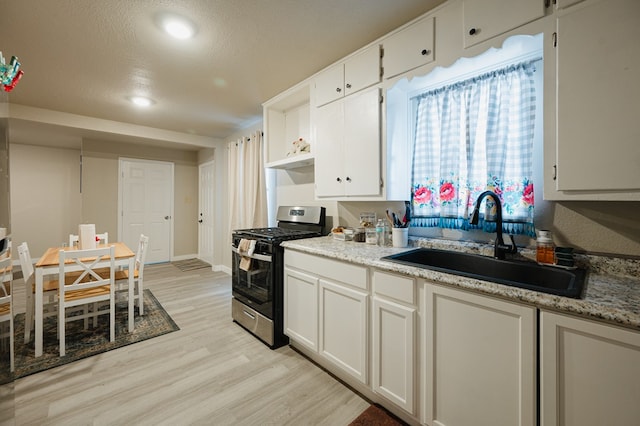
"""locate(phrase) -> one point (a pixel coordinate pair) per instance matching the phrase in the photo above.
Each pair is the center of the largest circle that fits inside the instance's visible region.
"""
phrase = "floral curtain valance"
(473, 136)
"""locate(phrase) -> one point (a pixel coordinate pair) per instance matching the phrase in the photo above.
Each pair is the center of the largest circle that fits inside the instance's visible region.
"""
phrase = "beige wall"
(100, 194)
(46, 203)
(185, 210)
(100, 188)
(45, 196)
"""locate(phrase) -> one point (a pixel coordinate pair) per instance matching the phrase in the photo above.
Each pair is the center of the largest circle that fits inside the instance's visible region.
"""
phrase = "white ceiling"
(86, 57)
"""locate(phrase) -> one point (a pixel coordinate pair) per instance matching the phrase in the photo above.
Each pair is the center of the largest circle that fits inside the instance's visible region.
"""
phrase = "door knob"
(167, 217)
(200, 221)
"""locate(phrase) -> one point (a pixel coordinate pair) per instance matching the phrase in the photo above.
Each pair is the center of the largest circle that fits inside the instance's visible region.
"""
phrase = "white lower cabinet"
(344, 319)
(589, 372)
(394, 348)
(301, 307)
(480, 360)
(326, 310)
(393, 352)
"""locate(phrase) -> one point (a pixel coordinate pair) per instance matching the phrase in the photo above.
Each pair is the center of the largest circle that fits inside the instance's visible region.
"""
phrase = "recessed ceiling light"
(178, 27)
(141, 101)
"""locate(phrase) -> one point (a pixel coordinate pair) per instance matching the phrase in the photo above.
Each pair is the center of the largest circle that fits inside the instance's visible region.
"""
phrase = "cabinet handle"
(338, 89)
(473, 31)
(338, 179)
(425, 52)
(348, 86)
(348, 179)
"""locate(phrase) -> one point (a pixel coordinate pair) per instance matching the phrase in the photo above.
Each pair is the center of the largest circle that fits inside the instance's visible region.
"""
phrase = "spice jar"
(545, 250)
(371, 235)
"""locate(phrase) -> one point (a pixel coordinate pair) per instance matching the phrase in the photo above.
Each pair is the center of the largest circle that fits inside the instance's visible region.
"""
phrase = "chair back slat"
(6, 306)
(141, 254)
(5, 280)
(26, 264)
(88, 262)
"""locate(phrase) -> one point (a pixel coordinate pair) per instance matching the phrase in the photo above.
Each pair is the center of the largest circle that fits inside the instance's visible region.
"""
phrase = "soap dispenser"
(545, 251)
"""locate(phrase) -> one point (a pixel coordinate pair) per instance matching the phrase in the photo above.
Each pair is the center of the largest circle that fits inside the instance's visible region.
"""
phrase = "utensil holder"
(400, 237)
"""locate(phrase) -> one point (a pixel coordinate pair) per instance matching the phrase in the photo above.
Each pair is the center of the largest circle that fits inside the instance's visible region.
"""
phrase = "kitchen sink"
(528, 275)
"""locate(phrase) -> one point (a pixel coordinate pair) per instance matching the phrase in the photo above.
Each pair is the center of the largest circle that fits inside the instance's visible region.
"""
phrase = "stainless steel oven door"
(254, 286)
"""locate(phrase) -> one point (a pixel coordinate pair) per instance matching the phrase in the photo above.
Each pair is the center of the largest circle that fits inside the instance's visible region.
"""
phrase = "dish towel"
(246, 248)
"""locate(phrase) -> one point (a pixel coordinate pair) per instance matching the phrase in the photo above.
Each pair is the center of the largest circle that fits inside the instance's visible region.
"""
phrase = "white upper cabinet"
(354, 74)
(598, 131)
(484, 19)
(409, 48)
(348, 146)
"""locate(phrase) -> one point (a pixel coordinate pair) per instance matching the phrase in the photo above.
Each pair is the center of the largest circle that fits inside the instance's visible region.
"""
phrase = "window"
(476, 126)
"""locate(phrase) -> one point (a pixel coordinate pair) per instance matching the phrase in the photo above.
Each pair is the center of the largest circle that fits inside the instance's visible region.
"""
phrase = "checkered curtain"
(474, 136)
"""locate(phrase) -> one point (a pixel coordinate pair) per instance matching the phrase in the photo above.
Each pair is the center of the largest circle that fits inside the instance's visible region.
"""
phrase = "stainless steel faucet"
(500, 248)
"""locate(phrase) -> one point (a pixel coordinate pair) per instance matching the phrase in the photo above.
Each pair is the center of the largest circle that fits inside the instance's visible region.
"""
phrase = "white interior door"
(146, 205)
(205, 214)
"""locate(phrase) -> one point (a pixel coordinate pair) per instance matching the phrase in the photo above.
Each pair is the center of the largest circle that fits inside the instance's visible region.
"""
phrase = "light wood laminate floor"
(211, 372)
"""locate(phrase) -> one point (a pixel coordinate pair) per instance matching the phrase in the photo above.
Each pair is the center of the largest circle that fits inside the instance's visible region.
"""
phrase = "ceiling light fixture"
(178, 27)
(141, 101)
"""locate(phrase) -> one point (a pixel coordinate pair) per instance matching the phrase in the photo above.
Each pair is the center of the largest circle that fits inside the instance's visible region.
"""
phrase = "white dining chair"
(49, 295)
(6, 305)
(75, 238)
(122, 276)
(89, 288)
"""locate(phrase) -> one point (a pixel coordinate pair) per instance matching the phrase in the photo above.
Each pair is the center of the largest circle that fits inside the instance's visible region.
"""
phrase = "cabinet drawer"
(395, 286)
(333, 269)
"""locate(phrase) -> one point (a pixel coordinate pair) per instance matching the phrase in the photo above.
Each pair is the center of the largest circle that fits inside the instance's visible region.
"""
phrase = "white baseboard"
(222, 268)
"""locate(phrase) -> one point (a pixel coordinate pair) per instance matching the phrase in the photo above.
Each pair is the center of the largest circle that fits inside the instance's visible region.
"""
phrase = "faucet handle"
(513, 248)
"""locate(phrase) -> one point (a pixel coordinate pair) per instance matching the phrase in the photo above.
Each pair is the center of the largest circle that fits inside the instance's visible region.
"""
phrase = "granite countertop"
(612, 290)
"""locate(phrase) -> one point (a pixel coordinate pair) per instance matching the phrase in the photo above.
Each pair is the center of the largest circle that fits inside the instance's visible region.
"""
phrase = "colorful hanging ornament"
(10, 74)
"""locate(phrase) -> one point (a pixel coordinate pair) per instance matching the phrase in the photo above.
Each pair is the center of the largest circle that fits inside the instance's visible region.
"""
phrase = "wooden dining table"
(49, 264)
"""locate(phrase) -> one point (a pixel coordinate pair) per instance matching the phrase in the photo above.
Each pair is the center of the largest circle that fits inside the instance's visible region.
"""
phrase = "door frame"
(213, 207)
(171, 190)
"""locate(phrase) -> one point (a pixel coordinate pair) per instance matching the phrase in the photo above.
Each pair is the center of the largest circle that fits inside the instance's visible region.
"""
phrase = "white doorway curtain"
(247, 187)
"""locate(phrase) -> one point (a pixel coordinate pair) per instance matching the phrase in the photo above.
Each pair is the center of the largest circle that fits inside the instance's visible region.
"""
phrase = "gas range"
(258, 290)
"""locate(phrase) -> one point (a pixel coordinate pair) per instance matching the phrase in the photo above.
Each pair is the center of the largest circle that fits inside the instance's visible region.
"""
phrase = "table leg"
(131, 294)
(38, 312)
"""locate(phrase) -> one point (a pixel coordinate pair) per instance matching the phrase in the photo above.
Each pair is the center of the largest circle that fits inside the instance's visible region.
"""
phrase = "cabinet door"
(409, 48)
(481, 353)
(393, 349)
(329, 162)
(590, 373)
(598, 87)
(301, 308)
(484, 19)
(343, 328)
(362, 70)
(362, 144)
(329, 85)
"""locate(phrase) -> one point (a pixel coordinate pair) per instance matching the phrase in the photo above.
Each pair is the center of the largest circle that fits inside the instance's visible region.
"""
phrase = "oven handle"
(253, 256)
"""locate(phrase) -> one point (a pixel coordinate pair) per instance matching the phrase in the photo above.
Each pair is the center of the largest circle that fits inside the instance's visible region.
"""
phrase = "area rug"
(375, 415)
(190, 264)
(83, 343)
